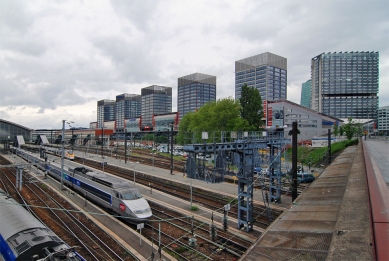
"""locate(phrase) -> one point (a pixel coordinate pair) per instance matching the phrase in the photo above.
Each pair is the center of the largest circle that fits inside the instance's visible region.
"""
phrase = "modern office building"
(127, 106)
(383, 121)
(345, 84)
(194, 91)
(267, 72)
(306, 93)
(105, 112)
(155, 100)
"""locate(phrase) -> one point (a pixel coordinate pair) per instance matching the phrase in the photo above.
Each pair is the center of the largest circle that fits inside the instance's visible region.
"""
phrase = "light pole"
(153, 158)
(62, 152)
(171, 148)
(102, 142)
(134, 169)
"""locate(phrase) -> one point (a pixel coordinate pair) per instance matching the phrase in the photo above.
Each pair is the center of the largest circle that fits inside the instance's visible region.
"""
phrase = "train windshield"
(69, 151)
(131, 194)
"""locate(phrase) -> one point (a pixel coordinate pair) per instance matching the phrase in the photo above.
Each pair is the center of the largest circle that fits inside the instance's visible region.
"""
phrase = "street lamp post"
(134, 169)
(102, 142)
(153, 158)
(62, 152)
(171, 149)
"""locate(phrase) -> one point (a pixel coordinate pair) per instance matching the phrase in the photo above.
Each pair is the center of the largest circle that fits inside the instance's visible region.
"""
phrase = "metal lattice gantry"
(241, 149)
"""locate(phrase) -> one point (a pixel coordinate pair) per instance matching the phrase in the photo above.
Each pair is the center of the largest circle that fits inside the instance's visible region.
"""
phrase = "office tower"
(127, 106)
(194, 91)
(105, 112)
(383, 121)
(155, 100)
(345, 84)
(306, 93)
(267, 72)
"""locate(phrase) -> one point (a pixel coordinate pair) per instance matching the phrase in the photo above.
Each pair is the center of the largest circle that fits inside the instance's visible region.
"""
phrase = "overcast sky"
(58, 58)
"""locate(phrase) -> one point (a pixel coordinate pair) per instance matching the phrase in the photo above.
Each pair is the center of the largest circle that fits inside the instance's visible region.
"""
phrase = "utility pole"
(63, 152)
(294, 160)
(125, 145)
(171, 149)
(329, 146)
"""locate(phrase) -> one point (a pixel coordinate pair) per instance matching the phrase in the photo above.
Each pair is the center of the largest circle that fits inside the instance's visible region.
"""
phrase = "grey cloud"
(14, 18)
(138, 12)
(134, 62)
(24, 46)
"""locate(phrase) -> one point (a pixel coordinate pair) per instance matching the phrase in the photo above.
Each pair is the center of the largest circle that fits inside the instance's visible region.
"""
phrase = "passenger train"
(23, 237)
(110, 192)
(68, 154)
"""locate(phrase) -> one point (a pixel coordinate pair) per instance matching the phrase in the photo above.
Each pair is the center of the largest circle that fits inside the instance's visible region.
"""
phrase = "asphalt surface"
(379, 153)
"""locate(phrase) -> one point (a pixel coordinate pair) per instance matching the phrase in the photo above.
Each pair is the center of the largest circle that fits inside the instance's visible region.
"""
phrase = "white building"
(282, 113)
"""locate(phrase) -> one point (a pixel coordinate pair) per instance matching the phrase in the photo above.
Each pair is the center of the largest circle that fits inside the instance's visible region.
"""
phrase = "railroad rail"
(213, 201)
(65, 221)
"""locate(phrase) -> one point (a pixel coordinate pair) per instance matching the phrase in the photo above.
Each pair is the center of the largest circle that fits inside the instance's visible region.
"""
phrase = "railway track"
(73, 227)
(213, 201)
(176, 233)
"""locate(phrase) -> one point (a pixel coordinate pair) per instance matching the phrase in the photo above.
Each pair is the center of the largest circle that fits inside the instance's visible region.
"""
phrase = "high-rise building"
(306, 93)
(194, 91)
(155, 100)
(127, 106)
(105, 112)
(383, 120)
(345, 84)
(267, 72)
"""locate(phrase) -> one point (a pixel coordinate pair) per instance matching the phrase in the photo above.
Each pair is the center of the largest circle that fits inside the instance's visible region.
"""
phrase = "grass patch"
(194, 208)
(316, 155)
(181, 249)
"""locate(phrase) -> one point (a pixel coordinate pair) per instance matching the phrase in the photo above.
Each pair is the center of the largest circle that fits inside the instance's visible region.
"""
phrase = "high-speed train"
(110, 192)
(23, 237)
(68, 154)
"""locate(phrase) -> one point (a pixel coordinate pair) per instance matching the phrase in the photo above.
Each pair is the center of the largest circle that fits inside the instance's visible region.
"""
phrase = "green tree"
(341, 131)
(336, 129)
(251, 106)
(349, 129)
(359, 129)
(220, 115)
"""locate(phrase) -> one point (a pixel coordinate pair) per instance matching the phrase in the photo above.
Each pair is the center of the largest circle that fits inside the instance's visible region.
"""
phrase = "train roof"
(13, 217)
(109, 180)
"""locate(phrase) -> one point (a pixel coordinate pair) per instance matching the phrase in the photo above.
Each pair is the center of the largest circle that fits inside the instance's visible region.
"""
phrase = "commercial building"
(345, 84)
(155, 100)
(282, 113)
(105, 112)
(306, 94)
(194, 91)
(383, 121)
(267, 72)
(127, 106)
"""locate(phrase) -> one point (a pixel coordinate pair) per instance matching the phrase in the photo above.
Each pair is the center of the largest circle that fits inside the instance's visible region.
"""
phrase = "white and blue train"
(113, 193)
(23, 237)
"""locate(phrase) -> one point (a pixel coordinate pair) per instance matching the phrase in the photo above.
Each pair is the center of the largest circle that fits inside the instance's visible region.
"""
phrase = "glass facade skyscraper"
(345, 84)
(306, 93)
(155, 100)
(267, 72)
(194, 91)
(127, 106)
(105, 112)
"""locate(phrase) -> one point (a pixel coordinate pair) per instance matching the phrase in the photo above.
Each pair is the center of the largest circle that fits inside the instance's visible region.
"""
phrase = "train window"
(132, 194)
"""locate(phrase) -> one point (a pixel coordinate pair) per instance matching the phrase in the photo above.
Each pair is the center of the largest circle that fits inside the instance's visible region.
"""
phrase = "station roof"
(15, 124)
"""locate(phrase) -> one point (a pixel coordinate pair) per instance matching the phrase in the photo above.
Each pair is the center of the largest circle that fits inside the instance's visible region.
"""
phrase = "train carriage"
(23, 237)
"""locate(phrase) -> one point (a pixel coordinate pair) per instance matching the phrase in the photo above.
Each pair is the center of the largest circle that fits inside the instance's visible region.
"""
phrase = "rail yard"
(182, 232)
